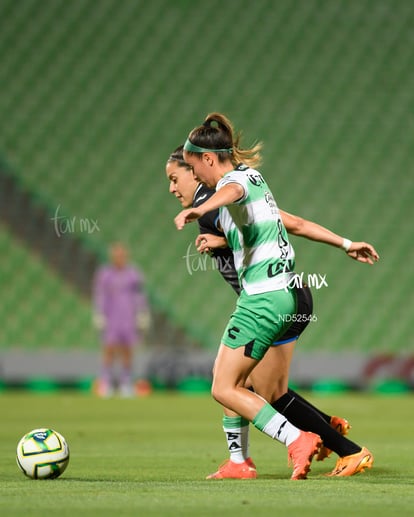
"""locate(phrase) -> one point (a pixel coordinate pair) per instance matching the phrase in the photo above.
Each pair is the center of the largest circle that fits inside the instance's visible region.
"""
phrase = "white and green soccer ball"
(42, 454)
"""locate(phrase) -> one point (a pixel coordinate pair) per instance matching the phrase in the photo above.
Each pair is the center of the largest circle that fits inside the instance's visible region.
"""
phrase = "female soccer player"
(190, 192)
(264, 260)
(122, 315)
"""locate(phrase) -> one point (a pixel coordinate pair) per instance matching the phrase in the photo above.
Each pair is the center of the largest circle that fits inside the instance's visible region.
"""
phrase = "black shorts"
(301, 319)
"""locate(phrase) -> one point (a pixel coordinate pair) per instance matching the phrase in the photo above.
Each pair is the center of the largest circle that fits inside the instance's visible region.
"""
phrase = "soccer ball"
(42, 454)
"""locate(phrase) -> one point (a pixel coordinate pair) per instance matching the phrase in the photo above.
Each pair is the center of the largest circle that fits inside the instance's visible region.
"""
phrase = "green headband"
(192, 148)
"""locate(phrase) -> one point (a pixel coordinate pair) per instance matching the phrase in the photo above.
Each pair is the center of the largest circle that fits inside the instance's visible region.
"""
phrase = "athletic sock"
(305, 417)
(236, 429)
(275, 425)
(304, 401)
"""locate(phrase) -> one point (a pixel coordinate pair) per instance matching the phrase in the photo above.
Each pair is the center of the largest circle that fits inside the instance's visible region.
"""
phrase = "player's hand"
(363, 252)
(207, 242)
(98, 321)
(186, 216)
(143, 321)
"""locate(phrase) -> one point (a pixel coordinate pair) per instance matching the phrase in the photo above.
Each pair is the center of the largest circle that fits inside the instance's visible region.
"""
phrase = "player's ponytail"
(217, 135)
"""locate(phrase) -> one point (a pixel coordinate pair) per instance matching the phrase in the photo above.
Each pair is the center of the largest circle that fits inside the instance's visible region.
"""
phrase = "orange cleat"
(301, 453)
(342, 426)
(250, 463)
(230, 470)
(352, 464)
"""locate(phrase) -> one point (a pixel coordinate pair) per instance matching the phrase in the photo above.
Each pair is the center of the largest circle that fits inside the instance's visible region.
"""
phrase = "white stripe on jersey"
(269, 250)
(276, 283)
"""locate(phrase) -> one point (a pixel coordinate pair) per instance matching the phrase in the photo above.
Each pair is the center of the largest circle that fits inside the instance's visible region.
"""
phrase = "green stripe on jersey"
(259, 233)
(255, 234)
(233, 239)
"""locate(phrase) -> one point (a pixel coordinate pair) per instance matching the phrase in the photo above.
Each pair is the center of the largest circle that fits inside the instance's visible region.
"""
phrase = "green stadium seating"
(38, 308)
(96, 95)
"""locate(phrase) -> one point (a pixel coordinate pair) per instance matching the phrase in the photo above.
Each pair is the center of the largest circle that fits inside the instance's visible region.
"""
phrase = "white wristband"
(346, 244)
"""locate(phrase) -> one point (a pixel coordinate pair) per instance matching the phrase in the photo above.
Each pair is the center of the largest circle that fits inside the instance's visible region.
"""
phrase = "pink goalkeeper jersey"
(119, 297)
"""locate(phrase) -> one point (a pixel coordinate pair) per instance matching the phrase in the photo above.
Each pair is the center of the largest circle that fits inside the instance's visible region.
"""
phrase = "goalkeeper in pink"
(121, 314)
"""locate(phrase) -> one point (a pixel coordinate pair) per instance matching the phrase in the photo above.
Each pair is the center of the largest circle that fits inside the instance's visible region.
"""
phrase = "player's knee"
(215, 393)
(223, 394)
(218, 393)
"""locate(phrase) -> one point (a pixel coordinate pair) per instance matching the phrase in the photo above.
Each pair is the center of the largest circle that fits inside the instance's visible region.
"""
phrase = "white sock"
(236, 430)
(282, 430)
(275, 425)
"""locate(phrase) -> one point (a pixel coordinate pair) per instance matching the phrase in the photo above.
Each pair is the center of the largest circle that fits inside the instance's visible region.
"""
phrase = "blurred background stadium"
(95, 94)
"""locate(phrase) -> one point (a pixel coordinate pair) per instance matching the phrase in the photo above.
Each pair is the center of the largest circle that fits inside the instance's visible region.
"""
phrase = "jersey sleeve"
(209, 222)
(235, 177)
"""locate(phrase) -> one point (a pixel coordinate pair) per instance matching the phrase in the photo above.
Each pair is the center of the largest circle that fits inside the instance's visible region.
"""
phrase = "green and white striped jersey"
(263, 255)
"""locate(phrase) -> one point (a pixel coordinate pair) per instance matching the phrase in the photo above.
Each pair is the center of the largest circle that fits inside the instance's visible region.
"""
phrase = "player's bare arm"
(360, 251)
(225, 196)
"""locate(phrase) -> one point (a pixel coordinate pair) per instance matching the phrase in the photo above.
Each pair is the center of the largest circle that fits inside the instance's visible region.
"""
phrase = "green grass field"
(149, 457)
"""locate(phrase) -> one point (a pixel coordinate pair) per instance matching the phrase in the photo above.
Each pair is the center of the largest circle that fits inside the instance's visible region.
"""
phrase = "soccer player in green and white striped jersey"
(190, 192)
(264, 260)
